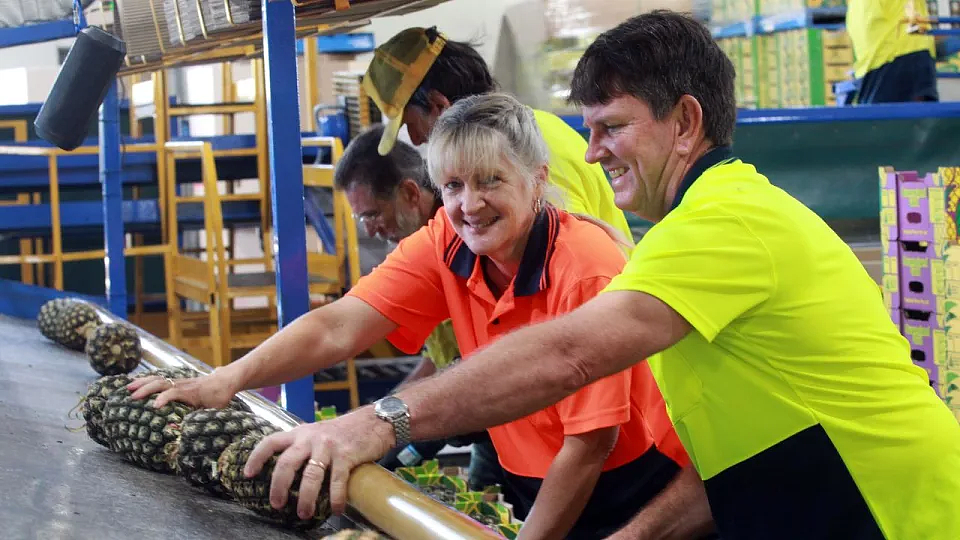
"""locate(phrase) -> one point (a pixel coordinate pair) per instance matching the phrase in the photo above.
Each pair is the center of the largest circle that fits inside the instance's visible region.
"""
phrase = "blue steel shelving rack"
(286, 173)
(286, 183)
(109, 143)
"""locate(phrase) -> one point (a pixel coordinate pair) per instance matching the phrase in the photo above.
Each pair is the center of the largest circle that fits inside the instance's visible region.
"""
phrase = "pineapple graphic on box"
(950, 178)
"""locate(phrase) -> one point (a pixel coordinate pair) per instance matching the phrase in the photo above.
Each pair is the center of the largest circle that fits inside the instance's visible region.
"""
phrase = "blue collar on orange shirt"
(533, 274)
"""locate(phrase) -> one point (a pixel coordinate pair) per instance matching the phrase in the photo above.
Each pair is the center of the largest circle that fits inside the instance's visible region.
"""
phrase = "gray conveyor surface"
(57, 484)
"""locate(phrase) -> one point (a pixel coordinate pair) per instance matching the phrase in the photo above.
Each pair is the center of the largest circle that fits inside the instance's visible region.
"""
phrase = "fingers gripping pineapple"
(254, 492)
(207, 391)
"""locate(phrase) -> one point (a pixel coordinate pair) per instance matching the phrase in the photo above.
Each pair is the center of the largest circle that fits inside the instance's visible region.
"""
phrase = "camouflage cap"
(397, 69)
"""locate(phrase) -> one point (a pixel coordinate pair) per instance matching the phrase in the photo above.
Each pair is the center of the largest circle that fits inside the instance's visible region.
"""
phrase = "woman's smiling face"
(493, 212)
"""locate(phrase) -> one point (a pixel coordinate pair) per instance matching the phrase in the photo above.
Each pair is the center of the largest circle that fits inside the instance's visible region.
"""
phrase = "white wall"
(461, 20)
(36, 54)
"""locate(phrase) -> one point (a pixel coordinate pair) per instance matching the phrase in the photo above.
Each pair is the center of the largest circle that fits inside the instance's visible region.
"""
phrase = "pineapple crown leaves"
(75, 414)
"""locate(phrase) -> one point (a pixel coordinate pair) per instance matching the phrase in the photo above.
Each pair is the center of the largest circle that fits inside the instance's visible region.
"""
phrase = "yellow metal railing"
(346, 256)
(57, 256)
(206, 277)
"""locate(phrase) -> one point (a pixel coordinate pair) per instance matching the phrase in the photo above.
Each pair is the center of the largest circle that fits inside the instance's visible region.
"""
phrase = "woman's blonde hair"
(476, 134)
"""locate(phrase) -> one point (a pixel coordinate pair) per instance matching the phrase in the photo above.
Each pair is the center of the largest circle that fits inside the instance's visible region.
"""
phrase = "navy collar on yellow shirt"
(714, 156)
(533, 275)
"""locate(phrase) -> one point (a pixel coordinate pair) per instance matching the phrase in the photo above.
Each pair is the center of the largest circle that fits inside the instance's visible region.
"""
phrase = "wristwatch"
(393, 410)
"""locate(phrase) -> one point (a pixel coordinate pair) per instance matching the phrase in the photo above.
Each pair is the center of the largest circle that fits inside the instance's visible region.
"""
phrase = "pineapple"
(142, 433)
(99, 391)
(49, 317)
(354, 534)
(91, 406)
(114, 349)
(75, 323)
(254, 493)
(204, 435)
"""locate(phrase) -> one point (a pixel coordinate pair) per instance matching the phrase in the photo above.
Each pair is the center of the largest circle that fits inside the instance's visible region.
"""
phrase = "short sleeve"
(407, 288)
(706, 264)
(603, 403)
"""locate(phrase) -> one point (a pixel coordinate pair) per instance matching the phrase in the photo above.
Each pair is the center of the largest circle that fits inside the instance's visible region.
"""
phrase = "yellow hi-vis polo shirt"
(879, 36)
(794, 395)
(584, 188)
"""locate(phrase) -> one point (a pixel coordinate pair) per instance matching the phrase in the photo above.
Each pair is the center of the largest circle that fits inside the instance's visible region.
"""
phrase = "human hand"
(212, 391)
(333, 447)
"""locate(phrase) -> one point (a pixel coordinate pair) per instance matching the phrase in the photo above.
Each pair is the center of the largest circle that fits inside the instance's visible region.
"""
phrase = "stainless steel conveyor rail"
(378, 496)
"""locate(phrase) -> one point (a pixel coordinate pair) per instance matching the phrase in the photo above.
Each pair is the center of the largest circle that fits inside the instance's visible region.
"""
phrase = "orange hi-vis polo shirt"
(432, 275)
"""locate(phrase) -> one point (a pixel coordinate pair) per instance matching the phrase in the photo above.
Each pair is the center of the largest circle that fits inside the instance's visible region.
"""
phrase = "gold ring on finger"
(169, 380)
(316, 463)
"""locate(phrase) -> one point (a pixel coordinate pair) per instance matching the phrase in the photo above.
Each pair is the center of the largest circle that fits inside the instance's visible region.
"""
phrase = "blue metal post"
(286, 183)
(113, 240)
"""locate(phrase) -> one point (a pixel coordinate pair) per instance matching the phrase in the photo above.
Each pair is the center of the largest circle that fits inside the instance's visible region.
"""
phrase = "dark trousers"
(618, 496)
(911, 77)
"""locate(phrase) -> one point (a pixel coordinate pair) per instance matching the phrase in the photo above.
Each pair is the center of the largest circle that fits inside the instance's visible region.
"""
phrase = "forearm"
(562, 497)
(680, 512)
(546, 362)
(319, 339)
(424, 369)
(531, 386)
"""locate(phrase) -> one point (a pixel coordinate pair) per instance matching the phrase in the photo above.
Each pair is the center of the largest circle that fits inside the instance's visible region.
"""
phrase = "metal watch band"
(401, 429)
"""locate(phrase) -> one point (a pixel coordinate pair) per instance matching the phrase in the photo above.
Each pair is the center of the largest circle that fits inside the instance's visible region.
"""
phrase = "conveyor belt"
(59, 484)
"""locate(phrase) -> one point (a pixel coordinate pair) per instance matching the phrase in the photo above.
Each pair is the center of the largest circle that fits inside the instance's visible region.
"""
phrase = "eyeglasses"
(368, 218)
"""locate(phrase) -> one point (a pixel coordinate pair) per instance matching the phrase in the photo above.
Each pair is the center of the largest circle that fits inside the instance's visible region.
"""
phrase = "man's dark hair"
(458, 72)
(658, 57)
(362, 164)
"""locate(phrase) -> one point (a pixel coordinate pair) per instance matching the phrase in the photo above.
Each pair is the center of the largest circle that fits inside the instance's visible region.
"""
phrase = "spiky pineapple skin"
(92, 406)
(354, 534)
(254, 493)
(114, 349)
(49, 317)
(141, 432)
(204, 435)
(74, 322)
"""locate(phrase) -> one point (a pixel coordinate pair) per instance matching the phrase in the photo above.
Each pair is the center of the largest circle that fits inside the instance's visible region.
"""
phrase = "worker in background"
(392, 197)
(418, 73)
(789, 385)
(891, 64)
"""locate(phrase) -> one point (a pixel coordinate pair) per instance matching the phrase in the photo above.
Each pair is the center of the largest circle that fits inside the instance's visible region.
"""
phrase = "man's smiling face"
(634, 148)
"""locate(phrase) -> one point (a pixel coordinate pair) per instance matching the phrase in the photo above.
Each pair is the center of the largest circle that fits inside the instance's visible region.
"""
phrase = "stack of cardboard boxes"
(921, 281)
(801, 66)
(769, 7)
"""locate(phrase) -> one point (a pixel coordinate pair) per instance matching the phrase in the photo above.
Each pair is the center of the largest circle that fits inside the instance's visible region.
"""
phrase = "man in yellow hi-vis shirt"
(790, 387)
(892, 65)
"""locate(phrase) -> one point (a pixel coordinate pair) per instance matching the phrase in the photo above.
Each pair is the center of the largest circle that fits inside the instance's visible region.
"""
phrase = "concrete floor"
(57, 484)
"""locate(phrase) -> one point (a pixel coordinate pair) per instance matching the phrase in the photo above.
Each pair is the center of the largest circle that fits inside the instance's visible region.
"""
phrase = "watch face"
(392, 406)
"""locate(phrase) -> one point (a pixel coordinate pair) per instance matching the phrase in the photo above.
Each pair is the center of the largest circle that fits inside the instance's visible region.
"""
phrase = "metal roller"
(378, 496)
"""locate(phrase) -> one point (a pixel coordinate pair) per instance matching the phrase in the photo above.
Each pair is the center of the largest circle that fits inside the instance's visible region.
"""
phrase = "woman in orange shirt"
(493, 259)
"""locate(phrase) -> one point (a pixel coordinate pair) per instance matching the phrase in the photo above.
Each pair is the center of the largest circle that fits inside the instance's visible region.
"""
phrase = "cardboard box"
(921, 203)
(889, 188)
(933, 347)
